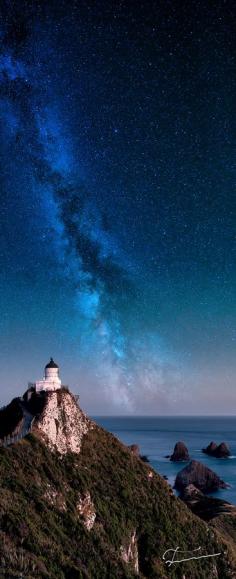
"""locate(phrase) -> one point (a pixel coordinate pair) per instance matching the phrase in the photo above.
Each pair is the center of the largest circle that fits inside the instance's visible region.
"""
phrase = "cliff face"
(61, 423)
(75, 502)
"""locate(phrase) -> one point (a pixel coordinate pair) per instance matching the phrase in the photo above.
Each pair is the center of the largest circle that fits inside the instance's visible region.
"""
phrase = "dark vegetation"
(10, 416)
(36, 403)
(42, 538)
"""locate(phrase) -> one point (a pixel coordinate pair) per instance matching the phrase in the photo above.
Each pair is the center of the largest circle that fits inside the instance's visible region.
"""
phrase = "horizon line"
(164, 415)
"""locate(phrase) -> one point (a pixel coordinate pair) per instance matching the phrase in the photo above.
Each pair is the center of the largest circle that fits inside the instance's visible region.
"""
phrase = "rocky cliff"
(55, 417)
(75, 502)
(61, 423)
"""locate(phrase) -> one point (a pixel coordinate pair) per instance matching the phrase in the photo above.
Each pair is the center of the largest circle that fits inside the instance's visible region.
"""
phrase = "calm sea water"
(157, 436)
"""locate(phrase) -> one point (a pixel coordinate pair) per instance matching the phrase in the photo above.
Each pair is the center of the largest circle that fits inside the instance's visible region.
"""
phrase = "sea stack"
(220, 451)
(210, 449)
(180, 453)
(199, 475)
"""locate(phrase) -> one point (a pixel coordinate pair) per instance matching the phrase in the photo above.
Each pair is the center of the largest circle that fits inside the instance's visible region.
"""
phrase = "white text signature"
(172, 553)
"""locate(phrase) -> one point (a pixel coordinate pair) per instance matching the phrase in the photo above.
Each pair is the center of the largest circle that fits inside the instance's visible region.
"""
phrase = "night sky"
(117, 234)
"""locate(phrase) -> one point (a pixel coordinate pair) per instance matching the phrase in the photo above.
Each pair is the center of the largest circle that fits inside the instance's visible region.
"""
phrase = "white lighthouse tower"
(51, 380)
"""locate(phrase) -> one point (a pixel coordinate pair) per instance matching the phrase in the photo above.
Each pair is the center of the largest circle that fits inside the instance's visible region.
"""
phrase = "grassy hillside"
(42, 533)
(225, 524)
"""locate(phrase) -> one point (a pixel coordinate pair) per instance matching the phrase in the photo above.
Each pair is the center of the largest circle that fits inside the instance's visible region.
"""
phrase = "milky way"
(117, 237)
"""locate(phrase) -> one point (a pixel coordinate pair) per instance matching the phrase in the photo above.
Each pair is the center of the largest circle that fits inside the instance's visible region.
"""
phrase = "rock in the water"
(210, 449)
(144, 458)
(200, 476)
(180, 452)
(220, 451)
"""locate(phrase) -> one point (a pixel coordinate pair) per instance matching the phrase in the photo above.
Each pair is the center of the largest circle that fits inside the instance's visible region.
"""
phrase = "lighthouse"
(51, 380)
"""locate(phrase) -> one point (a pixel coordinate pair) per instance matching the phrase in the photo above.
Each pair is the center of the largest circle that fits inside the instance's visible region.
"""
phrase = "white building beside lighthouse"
(51, 380)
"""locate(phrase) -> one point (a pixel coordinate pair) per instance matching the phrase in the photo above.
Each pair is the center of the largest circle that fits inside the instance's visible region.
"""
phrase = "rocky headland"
(76, 502)
(205, 506)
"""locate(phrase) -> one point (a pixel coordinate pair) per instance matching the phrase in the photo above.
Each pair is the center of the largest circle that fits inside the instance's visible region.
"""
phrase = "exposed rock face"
(200, 476)
(86, 509)
(61, 423)
(129, 553)
(55, 498)
(220, 451)
(180, 452)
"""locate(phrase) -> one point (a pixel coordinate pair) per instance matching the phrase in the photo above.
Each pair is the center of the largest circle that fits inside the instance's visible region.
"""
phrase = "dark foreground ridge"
(97, 512)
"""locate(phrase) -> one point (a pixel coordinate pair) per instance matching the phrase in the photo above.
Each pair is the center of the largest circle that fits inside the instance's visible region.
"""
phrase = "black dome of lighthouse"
(51, 364)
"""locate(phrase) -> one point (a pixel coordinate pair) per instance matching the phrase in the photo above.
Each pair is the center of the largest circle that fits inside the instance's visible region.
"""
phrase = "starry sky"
(117, 234)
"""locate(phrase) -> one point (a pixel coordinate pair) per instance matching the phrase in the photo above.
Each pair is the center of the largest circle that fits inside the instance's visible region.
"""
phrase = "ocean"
(156, 437)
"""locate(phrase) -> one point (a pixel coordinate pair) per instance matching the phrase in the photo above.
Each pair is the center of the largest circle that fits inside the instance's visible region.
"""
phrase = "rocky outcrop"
(61, 423)
(200, 476)
(129, 552)
(204, 506)
(220, 451)
(85, 508)
(144, 458)
(210, 449)
(55, 498)
(135, 449)
(180, 453)
(191, 494)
